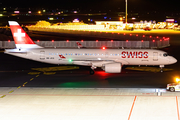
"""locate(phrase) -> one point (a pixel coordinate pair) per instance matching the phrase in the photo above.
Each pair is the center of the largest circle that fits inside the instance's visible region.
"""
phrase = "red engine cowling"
(113, 68)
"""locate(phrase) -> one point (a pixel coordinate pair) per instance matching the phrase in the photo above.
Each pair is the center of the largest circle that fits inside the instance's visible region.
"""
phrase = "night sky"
(133, 5)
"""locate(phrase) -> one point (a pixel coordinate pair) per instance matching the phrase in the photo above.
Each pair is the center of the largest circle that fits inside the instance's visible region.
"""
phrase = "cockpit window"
(165, 54)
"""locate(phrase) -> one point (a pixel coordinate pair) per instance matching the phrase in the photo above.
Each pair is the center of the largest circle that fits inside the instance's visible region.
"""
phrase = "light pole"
(126, 11)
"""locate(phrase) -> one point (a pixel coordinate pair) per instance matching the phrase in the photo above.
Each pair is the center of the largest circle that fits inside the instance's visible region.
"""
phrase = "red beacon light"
(150, 36)
(52, 40)
(136, 35)
(9, 40)
(166, 38)
(103, 48)
(130, 34)
(153, 40)
(127, 41)
(111, 40)
(96, 40)
(143, 35)
(67, 40)
(37, 40)
(142, 40)
(82, 40)
(124, 33)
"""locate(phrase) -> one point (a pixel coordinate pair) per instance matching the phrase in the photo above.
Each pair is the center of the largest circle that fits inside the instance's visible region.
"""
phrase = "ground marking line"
(177, 107)
(2, 96)
(132, 107)
(11, 91)
(18, 87)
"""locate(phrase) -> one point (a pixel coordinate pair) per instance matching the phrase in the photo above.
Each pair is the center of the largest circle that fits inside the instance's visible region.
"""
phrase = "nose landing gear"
(161, 66)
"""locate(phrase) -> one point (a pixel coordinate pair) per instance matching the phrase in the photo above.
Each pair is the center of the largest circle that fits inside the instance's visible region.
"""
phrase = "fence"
(93, 44)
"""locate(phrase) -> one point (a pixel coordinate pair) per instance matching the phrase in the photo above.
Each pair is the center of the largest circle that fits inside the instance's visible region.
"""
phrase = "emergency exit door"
(155, 56)
(42, 55)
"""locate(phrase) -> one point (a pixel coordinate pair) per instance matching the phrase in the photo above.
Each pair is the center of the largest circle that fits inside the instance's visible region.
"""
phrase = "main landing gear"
(91, 71)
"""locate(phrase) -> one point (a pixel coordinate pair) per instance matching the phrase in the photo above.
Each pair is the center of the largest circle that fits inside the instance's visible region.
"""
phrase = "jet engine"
(113, 68)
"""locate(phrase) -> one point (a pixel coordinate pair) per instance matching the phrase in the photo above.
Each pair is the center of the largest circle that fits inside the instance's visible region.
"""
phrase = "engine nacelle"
(113, 68)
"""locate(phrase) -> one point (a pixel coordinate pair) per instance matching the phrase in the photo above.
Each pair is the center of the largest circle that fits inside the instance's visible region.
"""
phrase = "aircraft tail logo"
(21, 39)
(61, 56)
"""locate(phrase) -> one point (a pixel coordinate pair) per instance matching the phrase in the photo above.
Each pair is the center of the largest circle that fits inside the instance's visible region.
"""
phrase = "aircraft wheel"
(91, 72)
(172, 89)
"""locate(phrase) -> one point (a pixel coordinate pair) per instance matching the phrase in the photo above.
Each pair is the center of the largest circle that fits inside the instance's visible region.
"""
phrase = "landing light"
(177, 79)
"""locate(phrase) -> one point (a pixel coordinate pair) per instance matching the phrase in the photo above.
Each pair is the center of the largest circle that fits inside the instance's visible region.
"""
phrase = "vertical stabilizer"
(21, 39)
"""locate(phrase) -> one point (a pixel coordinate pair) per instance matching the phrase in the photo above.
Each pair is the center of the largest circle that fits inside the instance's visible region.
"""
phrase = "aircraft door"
(155, 56)
(42, 55)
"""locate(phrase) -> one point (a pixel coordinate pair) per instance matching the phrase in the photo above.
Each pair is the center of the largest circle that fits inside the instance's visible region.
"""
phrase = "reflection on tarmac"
(55, 68)
(149, 69)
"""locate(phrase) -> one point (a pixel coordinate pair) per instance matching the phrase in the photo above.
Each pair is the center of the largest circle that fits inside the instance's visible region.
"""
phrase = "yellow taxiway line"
(59, 68)
(148, 69)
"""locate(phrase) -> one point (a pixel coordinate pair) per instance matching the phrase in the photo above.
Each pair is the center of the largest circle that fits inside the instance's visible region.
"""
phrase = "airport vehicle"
(174, 86)
(110, 60)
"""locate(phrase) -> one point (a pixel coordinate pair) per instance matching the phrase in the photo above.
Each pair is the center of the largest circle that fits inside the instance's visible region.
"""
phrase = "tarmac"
(29, 93)
(31, 103)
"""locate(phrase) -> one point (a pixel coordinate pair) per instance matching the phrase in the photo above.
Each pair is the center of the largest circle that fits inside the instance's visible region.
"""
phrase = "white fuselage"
(96, 57)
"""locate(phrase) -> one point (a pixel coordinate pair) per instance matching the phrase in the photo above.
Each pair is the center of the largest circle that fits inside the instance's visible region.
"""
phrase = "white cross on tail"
(19, 35)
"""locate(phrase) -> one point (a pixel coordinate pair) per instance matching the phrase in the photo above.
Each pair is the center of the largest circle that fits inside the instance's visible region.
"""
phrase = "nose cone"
(172, 60)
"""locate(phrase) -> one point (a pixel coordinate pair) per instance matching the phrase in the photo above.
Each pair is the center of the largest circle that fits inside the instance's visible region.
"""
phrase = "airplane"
(110, 60)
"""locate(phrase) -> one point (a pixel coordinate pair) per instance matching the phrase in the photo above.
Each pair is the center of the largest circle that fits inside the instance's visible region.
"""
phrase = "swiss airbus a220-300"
(110, 60)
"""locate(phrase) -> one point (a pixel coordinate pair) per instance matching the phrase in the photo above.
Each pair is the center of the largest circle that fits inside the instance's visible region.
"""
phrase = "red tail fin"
(21, 39)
